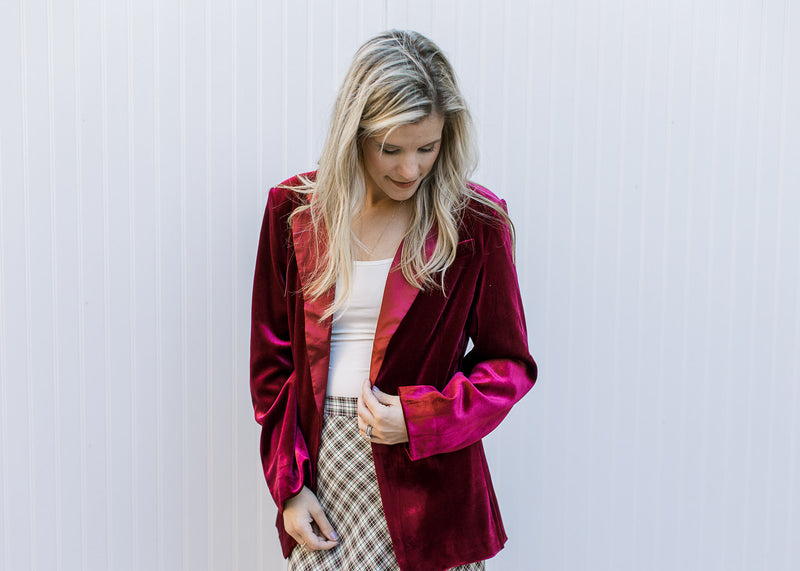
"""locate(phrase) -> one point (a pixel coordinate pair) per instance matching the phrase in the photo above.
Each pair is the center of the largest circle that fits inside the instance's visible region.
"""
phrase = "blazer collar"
(398, 295)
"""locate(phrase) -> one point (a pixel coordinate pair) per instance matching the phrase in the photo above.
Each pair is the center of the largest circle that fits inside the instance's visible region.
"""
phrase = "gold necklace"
(371, 251)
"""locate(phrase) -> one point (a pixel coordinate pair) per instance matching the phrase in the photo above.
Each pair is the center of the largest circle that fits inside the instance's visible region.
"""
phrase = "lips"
(404, 185)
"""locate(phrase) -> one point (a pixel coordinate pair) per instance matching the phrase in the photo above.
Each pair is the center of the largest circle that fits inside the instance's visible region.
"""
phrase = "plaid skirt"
(347, 488)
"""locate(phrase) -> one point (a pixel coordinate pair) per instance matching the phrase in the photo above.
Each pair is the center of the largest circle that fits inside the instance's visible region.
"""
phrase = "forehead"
(425, 131)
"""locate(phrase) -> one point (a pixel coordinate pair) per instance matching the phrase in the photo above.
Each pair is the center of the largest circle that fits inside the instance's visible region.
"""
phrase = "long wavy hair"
(396, 78)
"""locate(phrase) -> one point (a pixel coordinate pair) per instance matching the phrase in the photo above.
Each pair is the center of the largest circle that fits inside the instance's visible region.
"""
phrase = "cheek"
(430, 161)
(372, 162)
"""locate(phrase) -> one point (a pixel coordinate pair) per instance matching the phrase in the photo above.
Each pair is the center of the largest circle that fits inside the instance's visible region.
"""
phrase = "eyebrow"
(387, 144)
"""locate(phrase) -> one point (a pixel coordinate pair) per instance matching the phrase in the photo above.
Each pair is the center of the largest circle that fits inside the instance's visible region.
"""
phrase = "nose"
(408, 169)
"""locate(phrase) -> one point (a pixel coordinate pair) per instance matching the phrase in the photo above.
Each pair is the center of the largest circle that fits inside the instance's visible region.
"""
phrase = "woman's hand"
(305, 521)
(383, 413)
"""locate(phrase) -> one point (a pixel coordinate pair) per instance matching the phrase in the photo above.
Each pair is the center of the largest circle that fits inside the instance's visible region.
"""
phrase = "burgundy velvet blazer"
(437, 495)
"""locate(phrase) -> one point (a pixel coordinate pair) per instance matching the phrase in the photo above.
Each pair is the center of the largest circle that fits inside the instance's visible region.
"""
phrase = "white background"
(650, 155)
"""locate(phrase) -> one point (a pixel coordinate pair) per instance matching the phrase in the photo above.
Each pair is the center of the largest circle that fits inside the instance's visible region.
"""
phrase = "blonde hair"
(396, 78)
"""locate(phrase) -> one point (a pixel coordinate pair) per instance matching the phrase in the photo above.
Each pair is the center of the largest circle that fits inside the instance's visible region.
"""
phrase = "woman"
(372, 276)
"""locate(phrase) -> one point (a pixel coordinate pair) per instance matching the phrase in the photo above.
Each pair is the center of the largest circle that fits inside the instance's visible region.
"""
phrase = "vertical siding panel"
(262, 498)
(285, 42)
(742, 252)
(56, 554)
(26, 239)
(185, 467)
(159, 555)
(234, 314)
(4, 455)
(246, 473)
(396, 14)
(106, 312)
(210, 425)
(184, 353)
(81, 318)
(323, 80)
(708, 345)
(347, 37)
(309, 82)
(37, 140)
(790, 171)
(136, 550)
(16, 491)
(257, 482)
(197, 289)
(272, 73)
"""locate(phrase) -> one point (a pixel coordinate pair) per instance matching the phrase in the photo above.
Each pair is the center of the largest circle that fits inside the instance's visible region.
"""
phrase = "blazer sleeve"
(284, 454)
(499, 368)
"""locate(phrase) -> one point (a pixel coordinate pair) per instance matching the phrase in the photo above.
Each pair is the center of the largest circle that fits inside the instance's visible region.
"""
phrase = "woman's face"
(395, 167)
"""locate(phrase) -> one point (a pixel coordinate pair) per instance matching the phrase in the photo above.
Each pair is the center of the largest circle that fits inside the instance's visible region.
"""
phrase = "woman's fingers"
(383, 413)
(365, 416)
(368, 397)
(326, 529)
(384, 399)
(301, 515)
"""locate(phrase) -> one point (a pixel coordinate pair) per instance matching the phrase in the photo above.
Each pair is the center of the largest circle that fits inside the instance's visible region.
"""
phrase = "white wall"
(650, 154)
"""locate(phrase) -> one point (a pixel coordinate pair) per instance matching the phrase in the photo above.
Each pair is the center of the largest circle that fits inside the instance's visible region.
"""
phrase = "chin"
(400, 194)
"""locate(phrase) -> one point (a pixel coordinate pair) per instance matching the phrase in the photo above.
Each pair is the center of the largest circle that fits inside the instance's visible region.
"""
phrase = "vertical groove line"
(577, 88)
(713, 181)
(773, 365)
(504, 90)
(792, 433)
(259, 104)
(597, 153)
(234, 285)
(310, 81)
(754, 305)
(184, 306)
(733, 244)
(550, 174)
(641, 276)
(159, 288)
(54, 289)
(711, 221)
(76, 47)
(481, 70)
(360, 21)
(106, 284)
(573, 183)
(3, 371)
(284, 88)
(209, 295)
(336, 46)
(134, 451)
(28, 302)
(687, 261)
(615, 357)
(259, 483)
(664, 251)
(459, 44)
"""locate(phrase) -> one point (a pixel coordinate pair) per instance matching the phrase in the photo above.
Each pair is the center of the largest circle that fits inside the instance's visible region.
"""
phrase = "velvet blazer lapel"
(398, 296)
(317, 330)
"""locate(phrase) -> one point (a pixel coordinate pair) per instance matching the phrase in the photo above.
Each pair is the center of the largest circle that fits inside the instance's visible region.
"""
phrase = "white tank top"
(353, 330)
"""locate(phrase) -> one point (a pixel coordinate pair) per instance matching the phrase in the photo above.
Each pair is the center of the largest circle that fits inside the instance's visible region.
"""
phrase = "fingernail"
(374, 389)
(334, 536)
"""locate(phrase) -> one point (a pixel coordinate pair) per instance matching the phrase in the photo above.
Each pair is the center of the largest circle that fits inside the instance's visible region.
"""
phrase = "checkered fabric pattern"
(347, 488)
